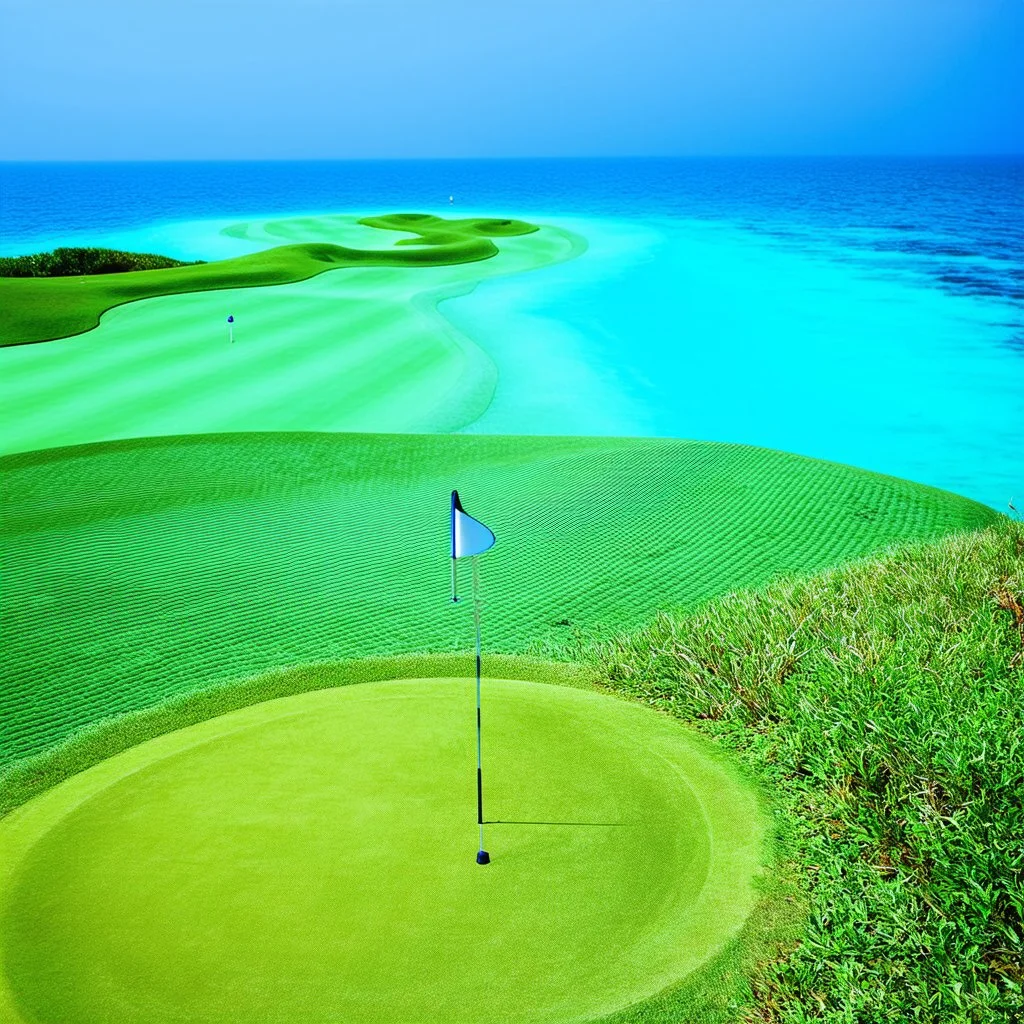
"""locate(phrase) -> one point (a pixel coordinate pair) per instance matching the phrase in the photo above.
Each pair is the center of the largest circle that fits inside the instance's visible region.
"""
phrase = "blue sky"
(212, 79)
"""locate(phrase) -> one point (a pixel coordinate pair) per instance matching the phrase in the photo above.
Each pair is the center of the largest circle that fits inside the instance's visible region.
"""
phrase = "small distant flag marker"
(471, 538)
(231, 329)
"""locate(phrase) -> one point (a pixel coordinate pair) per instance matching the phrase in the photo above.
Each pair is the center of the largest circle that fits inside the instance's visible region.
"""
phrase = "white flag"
(469, 537)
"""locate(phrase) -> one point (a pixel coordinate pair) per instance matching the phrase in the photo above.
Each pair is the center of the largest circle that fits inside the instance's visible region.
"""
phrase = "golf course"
(318, 858)
(237, 748)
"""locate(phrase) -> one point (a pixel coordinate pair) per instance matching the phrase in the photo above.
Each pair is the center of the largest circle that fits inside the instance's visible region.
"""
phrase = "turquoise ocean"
(864, 311)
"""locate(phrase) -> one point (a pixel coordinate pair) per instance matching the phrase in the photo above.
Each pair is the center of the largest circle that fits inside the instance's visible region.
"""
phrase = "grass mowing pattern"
(313, 858)
(109, 736)
(34, 309)
(138, 570)
(884, 703)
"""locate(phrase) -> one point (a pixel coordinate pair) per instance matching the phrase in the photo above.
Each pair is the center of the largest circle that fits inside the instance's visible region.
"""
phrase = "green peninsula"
(34, 309)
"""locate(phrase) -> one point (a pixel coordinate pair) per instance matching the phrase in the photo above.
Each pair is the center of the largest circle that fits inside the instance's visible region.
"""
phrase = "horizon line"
(989, 155)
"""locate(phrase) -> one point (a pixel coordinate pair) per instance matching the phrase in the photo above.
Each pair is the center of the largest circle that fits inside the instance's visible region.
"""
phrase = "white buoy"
(451, 199)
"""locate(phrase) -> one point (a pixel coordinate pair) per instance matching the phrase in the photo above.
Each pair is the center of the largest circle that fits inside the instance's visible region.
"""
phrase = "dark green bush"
(68, 262)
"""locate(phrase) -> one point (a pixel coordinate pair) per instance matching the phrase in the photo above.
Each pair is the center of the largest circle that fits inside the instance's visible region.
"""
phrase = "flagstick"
(455, 595)
(482, 856)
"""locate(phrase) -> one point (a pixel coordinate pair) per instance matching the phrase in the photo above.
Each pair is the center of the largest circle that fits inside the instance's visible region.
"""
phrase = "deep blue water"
(961, 221)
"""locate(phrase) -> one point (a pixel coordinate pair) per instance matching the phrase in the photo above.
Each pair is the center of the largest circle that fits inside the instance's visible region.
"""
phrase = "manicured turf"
(312, 859)
(139, 570)
(42, 309)
(361, 349)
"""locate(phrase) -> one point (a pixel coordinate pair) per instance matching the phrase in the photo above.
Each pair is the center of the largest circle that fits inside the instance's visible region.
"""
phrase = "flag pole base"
(483, 857)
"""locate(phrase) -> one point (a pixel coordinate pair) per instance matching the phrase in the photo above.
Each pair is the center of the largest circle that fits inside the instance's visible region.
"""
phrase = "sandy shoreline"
(664, 327)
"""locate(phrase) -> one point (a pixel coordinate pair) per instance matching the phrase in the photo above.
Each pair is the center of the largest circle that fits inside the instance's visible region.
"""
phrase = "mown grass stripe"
(172, 564)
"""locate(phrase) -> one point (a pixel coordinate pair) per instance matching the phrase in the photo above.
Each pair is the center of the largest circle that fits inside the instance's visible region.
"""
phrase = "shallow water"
(693, 329)
(869, 312)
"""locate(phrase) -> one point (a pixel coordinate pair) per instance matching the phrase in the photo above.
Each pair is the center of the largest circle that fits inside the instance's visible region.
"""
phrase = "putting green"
(312, 859)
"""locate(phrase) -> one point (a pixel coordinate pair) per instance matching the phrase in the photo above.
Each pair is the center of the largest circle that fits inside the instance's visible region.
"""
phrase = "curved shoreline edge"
(34, 310)
(471, 396)
(370, 349)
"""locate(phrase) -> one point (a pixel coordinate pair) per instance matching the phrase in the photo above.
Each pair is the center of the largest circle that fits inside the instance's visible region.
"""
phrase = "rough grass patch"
(886, 699)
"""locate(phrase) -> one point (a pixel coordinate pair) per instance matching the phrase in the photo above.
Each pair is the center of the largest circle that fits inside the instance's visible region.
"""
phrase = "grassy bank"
(34, 309)
(884, 703)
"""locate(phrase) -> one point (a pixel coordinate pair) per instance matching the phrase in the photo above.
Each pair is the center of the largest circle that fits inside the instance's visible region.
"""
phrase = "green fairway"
(41, 309)
(362, 348)
(312, 859)
(135, 571)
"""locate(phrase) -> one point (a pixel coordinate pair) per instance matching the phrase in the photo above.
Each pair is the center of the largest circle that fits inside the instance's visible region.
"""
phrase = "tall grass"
(884, 701)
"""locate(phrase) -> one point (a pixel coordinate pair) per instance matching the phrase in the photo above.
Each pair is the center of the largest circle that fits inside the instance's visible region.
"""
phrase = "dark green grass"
(884, 702)
(71, 261)
(137, 570)
(34, 309)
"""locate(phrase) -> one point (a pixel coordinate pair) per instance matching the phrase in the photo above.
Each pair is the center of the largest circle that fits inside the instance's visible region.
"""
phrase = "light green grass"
(706, 996)
(139, 570)
(312, 858)
(363, 348)
(112, 735)
(43, 309)
(883, 702)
